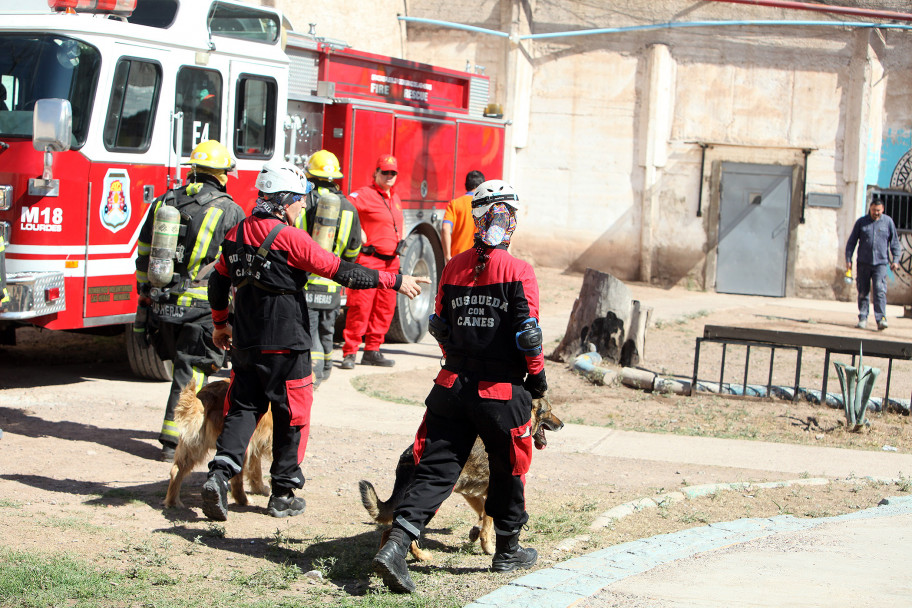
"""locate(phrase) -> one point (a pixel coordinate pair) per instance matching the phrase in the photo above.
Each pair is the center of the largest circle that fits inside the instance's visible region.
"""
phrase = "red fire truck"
(102, 100)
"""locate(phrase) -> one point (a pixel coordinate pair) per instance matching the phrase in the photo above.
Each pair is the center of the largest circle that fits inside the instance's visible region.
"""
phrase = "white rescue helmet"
(491, 192)
(282, 177)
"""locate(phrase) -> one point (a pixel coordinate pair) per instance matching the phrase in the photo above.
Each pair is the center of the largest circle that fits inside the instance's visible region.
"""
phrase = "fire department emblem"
(114, 209)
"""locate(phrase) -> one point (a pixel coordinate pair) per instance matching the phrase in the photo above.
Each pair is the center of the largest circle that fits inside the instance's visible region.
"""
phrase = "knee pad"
(529, 337)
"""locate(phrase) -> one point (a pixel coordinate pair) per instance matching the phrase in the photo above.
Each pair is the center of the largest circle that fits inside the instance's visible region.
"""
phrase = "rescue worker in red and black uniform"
(370, 312)
(266, 262)
(486, 321)
(176, 319)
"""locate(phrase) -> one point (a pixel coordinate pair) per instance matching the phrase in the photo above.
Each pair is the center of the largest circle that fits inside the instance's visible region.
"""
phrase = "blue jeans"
(876, 275)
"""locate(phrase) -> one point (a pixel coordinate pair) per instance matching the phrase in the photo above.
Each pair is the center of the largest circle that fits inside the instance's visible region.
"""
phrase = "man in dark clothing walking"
(266, 263)
(878, 249)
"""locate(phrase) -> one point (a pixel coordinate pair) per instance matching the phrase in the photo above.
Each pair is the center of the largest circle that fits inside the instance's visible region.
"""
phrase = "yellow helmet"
(323, 163)
(211, 154)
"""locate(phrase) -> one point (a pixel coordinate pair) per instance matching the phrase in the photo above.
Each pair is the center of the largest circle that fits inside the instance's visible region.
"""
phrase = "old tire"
(144, 361)
(410, 321)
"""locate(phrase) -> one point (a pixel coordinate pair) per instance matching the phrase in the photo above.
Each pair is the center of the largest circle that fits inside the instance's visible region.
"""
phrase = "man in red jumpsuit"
(370, 311)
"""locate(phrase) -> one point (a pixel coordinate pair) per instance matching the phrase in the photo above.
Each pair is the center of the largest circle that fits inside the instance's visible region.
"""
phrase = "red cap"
(387, 162)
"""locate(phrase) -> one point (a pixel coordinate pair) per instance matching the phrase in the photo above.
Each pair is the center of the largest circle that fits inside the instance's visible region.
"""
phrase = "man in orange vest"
(370, 311)
(458, 229)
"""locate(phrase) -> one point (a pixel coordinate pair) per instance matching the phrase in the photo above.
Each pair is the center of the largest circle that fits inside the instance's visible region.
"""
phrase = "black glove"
(536, 384)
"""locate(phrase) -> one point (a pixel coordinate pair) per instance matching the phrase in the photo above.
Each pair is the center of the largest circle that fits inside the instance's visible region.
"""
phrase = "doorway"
(754, 229)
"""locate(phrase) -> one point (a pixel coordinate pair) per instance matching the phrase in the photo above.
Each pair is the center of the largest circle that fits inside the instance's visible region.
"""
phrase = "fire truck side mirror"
(52, 128)
(52, 125)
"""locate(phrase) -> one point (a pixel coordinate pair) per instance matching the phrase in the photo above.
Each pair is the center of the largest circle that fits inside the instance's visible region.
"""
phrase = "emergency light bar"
(113, 7)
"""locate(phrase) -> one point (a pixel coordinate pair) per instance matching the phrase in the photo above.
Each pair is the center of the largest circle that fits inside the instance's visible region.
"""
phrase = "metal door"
(753, 229)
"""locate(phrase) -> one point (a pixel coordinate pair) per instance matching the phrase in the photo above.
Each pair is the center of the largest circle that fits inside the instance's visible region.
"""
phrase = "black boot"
(508, 555)
(389, 564)
(375, 357)
(215, 497)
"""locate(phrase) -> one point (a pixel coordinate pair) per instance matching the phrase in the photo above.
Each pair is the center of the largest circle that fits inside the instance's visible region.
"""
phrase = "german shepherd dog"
(200, 418)
(472, 483)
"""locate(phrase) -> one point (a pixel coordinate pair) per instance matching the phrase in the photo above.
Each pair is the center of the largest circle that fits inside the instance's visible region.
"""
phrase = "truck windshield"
(40, 66)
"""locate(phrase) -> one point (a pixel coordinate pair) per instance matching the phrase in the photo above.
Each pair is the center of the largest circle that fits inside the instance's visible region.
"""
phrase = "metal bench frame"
(773, 339)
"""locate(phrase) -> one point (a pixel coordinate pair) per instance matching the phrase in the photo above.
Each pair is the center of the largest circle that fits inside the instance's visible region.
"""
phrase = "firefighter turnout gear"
(211, 154)
(324, 296)
(270, 339)
(370, 312)
(486, 321)
(165, 232)
(323, 163)
(212, 158)
(178, 321)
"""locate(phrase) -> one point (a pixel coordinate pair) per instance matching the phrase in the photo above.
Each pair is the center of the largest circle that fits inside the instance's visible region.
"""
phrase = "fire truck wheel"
(411, 319)
(144, 360)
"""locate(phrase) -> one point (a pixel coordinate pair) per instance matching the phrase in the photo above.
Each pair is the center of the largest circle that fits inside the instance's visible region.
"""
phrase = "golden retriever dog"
(200, 418)
(472, 483)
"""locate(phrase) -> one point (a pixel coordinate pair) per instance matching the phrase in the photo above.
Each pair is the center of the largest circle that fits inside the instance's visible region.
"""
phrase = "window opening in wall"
(897, 204)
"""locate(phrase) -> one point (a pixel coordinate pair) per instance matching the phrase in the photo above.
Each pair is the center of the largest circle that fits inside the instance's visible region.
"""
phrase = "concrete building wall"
(608, 132)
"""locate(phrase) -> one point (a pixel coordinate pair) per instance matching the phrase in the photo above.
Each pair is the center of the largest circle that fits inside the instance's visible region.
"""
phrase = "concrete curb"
(691, 492)
(569, 582)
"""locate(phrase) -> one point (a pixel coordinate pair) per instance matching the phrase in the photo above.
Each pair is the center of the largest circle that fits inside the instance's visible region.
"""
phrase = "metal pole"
(702, 168)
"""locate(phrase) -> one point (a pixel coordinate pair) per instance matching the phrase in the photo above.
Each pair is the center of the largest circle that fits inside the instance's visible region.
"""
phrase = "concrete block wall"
(602, 187)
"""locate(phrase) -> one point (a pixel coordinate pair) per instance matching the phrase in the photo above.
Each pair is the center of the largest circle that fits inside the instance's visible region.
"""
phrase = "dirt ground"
(79, 473)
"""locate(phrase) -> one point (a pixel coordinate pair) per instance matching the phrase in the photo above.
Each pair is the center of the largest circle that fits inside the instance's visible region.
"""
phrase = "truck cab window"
(255, 117)
(199, 97)
(131, 110)
(40, 66)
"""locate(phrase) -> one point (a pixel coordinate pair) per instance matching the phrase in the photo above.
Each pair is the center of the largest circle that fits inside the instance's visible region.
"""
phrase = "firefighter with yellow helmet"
(333, 223)
(178, 246)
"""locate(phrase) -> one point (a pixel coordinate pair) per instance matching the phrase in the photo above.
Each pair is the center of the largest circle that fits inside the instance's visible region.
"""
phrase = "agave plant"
(856, 390)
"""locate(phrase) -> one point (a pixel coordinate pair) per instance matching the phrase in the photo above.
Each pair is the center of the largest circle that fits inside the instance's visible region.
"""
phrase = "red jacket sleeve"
(220, 288)
(305, 254)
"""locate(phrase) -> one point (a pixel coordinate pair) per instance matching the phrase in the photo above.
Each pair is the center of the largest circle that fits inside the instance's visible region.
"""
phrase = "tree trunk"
(635, 344)
(602, 317)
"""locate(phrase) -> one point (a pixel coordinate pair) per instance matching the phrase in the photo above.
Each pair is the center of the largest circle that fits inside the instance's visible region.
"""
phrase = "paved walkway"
(857, 559)
(854, 560)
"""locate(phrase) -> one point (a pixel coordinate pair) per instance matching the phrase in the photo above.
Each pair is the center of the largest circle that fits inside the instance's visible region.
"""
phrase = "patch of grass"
(267, 578)
(10, 504)
(120, 494)
(904, 484)
(150, 552)
(554, 525)
(35, 580)
(369, 386)
(74, 523)
(681, 320)
(696, 517)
